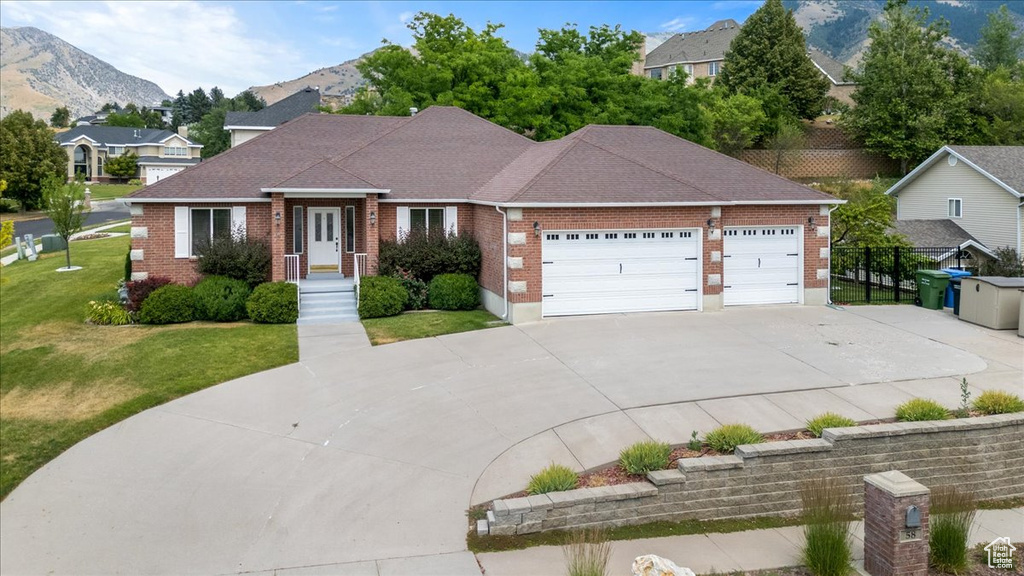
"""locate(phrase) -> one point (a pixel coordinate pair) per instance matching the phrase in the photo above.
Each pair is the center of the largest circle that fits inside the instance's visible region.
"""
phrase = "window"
(297, 230)
(99, 165)
(426, 218)
(688, 68)
(713, 68)
(956, 208)
(208, 224)
(350, 229)
(175, 151)
(656, 73)
(115, 151)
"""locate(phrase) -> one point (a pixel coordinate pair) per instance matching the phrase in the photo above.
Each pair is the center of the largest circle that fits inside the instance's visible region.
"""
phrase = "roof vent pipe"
(413, 110)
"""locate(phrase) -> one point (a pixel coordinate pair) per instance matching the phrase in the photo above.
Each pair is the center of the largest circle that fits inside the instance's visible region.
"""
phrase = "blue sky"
(184, 44)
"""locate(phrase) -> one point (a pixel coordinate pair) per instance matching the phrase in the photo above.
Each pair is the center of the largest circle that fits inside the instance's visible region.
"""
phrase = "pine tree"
(1000, 44)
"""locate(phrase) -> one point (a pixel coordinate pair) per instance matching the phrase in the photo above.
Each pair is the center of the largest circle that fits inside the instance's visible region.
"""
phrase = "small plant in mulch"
(554, 478)
(828, 420)
(921, 410)
(727, 437)
(998, 402)
(643, 457)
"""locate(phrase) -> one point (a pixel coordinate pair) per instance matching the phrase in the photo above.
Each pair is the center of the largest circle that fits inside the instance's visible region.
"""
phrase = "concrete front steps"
(327, 299)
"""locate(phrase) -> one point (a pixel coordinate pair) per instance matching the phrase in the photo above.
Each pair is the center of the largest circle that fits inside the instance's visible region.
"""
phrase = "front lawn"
(412, 325)
(62, 380)
(109, 191)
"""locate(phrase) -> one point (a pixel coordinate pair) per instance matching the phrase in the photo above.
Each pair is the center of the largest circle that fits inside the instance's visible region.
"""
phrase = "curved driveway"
(365, 459)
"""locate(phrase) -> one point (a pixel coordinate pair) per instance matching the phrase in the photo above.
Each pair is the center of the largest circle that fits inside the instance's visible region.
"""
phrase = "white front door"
(762, 265)
(324, 239)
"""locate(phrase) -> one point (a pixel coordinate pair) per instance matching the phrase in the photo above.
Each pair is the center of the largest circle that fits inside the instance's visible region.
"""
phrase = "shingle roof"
(832, 68)
(302, 102)
(701, 46)
(1006, 163)
(111, 135)
(446, 153)
(933, 233)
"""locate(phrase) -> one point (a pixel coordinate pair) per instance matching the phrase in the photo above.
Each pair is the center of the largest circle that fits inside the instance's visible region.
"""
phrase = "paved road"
(105, 211)
(362, 460)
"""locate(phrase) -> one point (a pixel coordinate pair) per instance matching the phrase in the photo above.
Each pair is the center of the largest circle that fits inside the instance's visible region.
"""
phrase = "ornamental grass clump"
(727, 437)
(827, 511)
(587, 553)
(952, 513)
(998, 402)
(828, 420)
(643, 457)
(921, 410)
(554, 478)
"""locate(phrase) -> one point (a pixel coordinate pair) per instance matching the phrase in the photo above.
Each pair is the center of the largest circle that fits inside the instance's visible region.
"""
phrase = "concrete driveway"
(361, 460)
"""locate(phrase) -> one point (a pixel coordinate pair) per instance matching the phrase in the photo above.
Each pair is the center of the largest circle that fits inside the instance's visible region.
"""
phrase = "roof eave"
(913, 175)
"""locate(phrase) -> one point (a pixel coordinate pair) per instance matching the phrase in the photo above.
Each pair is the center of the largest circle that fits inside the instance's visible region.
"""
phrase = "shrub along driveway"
(367, 457)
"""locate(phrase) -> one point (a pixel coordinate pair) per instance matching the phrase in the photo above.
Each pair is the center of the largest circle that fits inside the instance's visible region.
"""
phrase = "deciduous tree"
(65, 205)
(28, 155)
(61, 117)
(1001, 43)
(123, 166)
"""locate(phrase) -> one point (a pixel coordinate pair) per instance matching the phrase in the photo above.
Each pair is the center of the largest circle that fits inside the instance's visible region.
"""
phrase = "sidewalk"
(724, 553)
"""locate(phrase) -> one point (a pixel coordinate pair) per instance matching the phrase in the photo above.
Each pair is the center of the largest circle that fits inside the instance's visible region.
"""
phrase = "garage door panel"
(620, 267)
(761, 265)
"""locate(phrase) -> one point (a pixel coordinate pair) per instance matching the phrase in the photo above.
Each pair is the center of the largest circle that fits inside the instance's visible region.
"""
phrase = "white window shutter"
(238, 220)
(181, 232)
(451, 218)
(403, 222)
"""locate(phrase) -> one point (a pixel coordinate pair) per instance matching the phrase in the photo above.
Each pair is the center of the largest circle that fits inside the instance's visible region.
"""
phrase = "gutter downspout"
(828, 285)
(1020, 207)
(505, 260)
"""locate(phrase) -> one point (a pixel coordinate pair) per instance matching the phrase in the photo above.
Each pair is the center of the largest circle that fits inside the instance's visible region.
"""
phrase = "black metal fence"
(884, 275)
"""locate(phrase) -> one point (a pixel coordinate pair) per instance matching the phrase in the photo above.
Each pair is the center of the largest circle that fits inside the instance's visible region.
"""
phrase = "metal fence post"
(896, 276)
(867, 275)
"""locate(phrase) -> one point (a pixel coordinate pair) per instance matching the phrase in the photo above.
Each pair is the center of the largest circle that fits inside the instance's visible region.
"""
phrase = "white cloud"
(678, 24)
(179, 45)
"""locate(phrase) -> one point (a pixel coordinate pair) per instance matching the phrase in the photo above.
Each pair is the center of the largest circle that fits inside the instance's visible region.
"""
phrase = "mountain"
(341, 79)
(39, 72)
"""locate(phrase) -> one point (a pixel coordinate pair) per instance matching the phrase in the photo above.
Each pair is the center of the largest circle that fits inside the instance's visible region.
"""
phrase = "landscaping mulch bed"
(92, 236)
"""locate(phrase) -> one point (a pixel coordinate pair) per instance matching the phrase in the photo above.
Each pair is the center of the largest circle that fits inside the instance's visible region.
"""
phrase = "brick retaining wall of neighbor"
(826, 163)
(984, 454)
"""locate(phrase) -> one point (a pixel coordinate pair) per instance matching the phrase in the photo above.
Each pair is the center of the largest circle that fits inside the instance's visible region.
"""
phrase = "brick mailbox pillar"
(895, 525)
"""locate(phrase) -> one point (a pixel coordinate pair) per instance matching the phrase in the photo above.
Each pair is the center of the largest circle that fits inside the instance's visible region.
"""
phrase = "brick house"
(606, 219)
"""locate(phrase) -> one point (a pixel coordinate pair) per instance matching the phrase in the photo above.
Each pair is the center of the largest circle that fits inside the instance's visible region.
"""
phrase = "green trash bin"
(53, 243)
(931, 288)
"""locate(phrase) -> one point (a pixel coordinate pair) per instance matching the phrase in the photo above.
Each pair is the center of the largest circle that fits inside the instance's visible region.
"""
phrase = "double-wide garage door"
(607, 271)
(761, 265)
(155, 174)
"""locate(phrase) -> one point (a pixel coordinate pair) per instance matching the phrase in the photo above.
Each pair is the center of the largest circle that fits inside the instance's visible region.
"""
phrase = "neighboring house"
(965, 250)
(245, 126)
(839, 90)
(161, 152)
(700, 54)
(979, 188)
(606, 219)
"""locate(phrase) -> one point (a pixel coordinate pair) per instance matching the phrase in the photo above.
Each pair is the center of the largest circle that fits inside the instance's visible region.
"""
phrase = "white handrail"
(291, 268)
(358, 267)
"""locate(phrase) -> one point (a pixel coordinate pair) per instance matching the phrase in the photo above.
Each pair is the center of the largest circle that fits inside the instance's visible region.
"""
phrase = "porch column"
(277, 237)
(371, 214)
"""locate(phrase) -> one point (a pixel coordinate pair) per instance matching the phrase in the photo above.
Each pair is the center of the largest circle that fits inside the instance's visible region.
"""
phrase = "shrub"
(828, 420)
(454, 292)
(416, 288)
(381, 296)
(587, 553)
(426, 255)
(643, 457)
(108, 313)
(6, 233)
(135, 182)
(952, 513)
(139, 290)
(827, 509)
(128, 265)
(169, 304)
(554, 478)
(274, 303)
(998, 402)
(235, 256)
(1006, 263)
(921, 409)
(727, 437)
(221, 299)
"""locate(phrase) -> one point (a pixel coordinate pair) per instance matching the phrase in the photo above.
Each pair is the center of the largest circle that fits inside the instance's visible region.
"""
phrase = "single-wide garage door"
(761, 265)
(155, 174)
(607, 271)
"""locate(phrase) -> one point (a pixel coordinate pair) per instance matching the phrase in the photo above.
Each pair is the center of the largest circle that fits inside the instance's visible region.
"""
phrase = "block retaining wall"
(983, 454)
(825, 163)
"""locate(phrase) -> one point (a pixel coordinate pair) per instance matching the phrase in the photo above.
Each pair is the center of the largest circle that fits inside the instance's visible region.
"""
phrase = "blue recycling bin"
(953, 273)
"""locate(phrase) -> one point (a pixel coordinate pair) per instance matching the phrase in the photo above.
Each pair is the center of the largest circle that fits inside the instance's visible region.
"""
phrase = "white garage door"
(607, 271)
(157, 173)
(761, 265)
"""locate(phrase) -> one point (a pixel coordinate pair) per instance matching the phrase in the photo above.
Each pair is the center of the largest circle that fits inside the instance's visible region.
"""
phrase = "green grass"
(109, 191)
(412, 325)
(62, 380)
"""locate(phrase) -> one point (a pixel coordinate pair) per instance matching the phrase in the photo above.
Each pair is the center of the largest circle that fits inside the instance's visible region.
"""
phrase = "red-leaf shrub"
(139, 290)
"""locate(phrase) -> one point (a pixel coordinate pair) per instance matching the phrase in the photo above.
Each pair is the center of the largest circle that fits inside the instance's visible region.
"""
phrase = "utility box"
(991, 301)
(53, 243)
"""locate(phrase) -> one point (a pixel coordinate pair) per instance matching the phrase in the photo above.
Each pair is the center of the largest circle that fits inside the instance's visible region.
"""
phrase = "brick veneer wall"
(825, 163)
(388, 217)
(982, 454)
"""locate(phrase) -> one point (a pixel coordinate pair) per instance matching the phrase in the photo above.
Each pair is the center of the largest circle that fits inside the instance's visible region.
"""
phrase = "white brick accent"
(716, 256)
(823, 253)
(140, 232)
(516, 238)
(515, 214)
(517, 287)
(714, 234)
(822, 273)
(714, 279)
(716, 211)
(140, 275)
(135, 255)
(822, 231)
(823, 210)
(135, 210)
(515, 262)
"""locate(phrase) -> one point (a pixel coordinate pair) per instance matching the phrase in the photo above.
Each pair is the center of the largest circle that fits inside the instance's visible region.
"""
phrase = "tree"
(209, 130)
(61, 117)
(999, 107)
(788, 138)
(65, 205)
(736, 121)
(28, 155)
(6, 227)
(912, 93)
(1000, 44)
(126, 119)
(866, 218)
(770, 51)
(123, 166)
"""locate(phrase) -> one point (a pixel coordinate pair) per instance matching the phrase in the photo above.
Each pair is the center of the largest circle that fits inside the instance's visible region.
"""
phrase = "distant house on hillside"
(839, 90)
(161, 153)
(245, 126)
